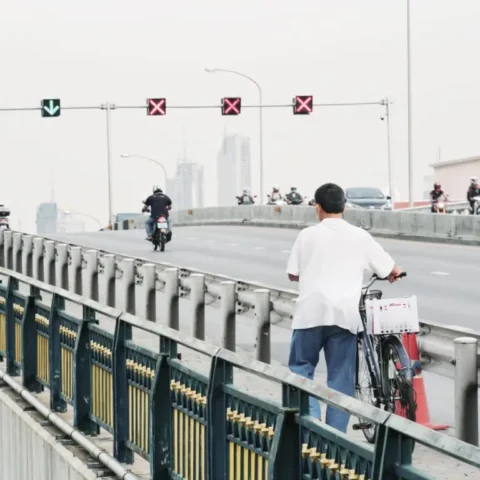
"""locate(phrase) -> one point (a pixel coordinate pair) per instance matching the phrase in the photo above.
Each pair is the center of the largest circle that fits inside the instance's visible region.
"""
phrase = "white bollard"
(75, 270)
(172, 297)
(109, 283)
(128, 285)
(262, 313)
(91, 275)
(149, 291)
(8, 248)
(38, 272)
(197, 299)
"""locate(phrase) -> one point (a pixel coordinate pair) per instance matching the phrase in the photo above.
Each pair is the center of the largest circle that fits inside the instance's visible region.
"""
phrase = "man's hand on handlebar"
(395, 274)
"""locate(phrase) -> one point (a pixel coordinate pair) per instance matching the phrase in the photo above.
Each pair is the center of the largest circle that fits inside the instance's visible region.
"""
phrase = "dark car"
(368, 197)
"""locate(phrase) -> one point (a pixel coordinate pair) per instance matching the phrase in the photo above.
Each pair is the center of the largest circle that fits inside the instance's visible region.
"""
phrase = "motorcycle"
(275, 202)
(160, 235)
(4, 220)
(289, 202)
(439, 206)
(239, 200)
(476, 205)
(4, 225)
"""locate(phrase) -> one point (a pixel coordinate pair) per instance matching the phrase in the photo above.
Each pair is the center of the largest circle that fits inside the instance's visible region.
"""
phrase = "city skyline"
(233, 168)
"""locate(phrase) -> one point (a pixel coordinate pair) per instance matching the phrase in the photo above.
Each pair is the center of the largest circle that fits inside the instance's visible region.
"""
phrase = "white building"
(186, 188)
(233, 168)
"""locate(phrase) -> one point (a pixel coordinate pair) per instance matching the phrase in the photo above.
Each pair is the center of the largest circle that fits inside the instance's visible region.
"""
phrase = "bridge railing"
(187, 423)
(96, 274)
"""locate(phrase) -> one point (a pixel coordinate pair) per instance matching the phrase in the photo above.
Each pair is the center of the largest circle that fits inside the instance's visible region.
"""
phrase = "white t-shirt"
(330, 259)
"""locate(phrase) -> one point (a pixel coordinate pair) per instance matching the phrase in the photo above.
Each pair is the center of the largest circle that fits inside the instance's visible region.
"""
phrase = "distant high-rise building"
(233, 168)
(47, 214)
(186, 188)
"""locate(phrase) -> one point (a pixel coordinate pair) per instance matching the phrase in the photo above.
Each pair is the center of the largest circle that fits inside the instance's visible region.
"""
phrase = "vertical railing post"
(61, 266)
(49, 262)
(8, 248)
(466, 389)
(109, 279)
(262, 314)
(12, 287)
(27, 252)
(149, 291)
(75, 270)
(29, 347)
(128, 285)
(160, 455)
(228, 314)
(123, 332)
(217, 451)
(197, 299)
(57, 404)
(38, 270)
(172, 298)
(91, 275)
(17, 252)
(82, 386)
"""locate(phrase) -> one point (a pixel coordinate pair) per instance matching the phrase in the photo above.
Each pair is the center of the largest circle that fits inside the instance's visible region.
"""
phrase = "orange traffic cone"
(409, 341)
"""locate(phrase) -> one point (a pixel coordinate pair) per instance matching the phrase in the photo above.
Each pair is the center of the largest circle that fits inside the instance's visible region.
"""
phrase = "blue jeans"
(340, 347)
(150, 225)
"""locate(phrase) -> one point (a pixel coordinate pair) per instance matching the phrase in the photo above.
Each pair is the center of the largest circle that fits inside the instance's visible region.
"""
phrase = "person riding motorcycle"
(294, 198)
(473, 191)
(436, 194)
(246, 198)
(275, 195)
(159, 204)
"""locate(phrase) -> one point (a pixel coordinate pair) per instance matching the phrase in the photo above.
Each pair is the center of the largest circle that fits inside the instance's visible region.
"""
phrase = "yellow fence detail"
(244, 456)
(102, 384)
(18, 310)
(188, 433)
(139, 404)
(3, 332)
(312, 457)
(68, 336)
(43, 362)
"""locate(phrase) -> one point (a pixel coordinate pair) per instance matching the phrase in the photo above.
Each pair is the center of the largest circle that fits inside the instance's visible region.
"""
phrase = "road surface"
(444, 277)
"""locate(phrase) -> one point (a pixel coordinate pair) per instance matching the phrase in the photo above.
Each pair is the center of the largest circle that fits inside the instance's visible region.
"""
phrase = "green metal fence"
(189, 425)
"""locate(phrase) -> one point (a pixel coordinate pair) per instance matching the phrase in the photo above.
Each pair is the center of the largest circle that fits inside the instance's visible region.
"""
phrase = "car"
(367, 197)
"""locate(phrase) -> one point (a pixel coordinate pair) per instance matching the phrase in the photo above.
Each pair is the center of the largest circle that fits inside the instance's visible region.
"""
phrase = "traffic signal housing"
(156, 106)
(231, 105)
(303, 105)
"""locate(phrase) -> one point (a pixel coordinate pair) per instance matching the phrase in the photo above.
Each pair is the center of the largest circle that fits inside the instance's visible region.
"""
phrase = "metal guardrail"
(185, 424)
(88, 272)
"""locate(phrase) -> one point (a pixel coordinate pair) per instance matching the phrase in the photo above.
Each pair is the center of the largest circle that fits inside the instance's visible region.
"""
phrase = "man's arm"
(380, 262)
(293, 265)
(147, 204)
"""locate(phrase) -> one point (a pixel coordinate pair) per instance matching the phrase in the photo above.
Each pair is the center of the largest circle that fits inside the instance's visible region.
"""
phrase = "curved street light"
(234, 72)
(156, 162)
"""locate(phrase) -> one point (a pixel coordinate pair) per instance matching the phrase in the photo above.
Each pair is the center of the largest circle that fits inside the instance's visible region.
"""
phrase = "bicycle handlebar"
(377, 278)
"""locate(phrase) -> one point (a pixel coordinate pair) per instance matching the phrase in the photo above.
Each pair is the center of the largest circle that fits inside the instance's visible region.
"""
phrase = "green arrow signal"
(51, 108)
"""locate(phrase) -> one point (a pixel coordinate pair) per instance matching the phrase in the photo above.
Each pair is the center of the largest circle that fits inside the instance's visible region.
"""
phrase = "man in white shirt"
(329, 260)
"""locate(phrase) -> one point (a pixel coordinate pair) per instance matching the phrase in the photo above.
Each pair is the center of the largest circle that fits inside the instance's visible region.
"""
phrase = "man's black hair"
(331, 198)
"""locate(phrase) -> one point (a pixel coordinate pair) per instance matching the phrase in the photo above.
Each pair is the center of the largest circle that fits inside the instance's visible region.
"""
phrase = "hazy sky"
(121, 51)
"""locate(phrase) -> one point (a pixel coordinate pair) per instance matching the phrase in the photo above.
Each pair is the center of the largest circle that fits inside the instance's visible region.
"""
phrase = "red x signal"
(303, 105)
(231, 106)
(156, 106)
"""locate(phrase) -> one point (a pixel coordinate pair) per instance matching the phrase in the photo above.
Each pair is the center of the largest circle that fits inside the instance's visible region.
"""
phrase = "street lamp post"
(409, 94)
(260, 117)
(156, 162)
(391, 187)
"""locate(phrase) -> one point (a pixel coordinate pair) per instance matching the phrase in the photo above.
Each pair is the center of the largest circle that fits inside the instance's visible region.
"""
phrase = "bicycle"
(392, 388)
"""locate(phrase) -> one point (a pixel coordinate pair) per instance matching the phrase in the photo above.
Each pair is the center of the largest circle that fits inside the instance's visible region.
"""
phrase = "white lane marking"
(192, 238)
(440, 273)
(259, 248)
(211, 241)
(234, 244)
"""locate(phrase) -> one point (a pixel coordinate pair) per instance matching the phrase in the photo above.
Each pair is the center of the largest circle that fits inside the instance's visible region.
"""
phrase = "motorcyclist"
(275, 195)
(436, 194)
(473, 191)
(159, 204)
(246, 198)
(293, 197)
